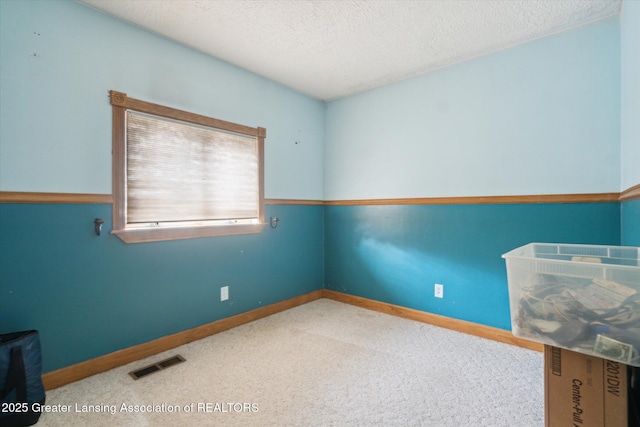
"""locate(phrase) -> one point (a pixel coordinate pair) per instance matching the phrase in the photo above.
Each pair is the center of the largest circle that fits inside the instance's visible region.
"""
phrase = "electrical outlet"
(439, 291)
(224, 293)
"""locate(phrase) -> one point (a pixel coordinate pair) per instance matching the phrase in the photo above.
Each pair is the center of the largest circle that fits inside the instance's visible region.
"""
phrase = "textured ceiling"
(329, 49)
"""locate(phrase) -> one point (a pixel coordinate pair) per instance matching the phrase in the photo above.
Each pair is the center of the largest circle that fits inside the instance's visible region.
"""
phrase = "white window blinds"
(182, 172)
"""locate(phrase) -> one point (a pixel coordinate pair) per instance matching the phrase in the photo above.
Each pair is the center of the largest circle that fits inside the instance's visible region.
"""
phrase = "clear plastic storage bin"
(584, 298)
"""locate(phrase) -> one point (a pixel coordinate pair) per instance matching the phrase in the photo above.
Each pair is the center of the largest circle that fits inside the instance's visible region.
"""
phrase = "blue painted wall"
(60, 58)
(630, 123)
(396, 254)
(91, 295)
(630, 84)
(539, 118)
(630, 219)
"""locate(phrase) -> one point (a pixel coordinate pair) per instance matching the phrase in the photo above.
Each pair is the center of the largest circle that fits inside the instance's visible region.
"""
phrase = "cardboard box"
(584, 390)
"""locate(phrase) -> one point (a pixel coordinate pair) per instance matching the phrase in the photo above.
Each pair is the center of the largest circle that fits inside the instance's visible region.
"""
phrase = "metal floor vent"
(163, 364)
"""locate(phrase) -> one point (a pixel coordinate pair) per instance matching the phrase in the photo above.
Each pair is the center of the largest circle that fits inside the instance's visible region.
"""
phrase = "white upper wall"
(539, 118)
(58, 60)
(630, 70)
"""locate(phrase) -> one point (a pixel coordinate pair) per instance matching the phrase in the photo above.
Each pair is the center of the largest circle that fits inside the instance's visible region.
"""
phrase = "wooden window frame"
(120, 103)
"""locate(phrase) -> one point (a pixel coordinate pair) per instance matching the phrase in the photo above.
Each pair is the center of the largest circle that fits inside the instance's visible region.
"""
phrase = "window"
(179, 175)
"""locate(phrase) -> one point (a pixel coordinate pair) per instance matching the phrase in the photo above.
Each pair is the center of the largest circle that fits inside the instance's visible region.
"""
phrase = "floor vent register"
(155, 367)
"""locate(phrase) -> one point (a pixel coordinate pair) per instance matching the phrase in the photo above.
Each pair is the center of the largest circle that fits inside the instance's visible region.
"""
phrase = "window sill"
(177, 233)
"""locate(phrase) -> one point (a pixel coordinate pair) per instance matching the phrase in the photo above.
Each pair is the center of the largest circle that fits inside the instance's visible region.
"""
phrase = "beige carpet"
(321, 364)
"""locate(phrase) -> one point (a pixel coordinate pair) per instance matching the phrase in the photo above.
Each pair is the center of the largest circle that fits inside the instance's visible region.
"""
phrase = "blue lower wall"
(89, 296)
(630, 219)
(396, 254)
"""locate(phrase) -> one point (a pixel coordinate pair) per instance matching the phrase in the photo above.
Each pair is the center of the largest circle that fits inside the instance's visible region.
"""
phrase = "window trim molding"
(120, 103)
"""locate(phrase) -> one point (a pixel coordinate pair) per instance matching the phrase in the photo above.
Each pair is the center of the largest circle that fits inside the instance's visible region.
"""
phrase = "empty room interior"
(403, 148)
